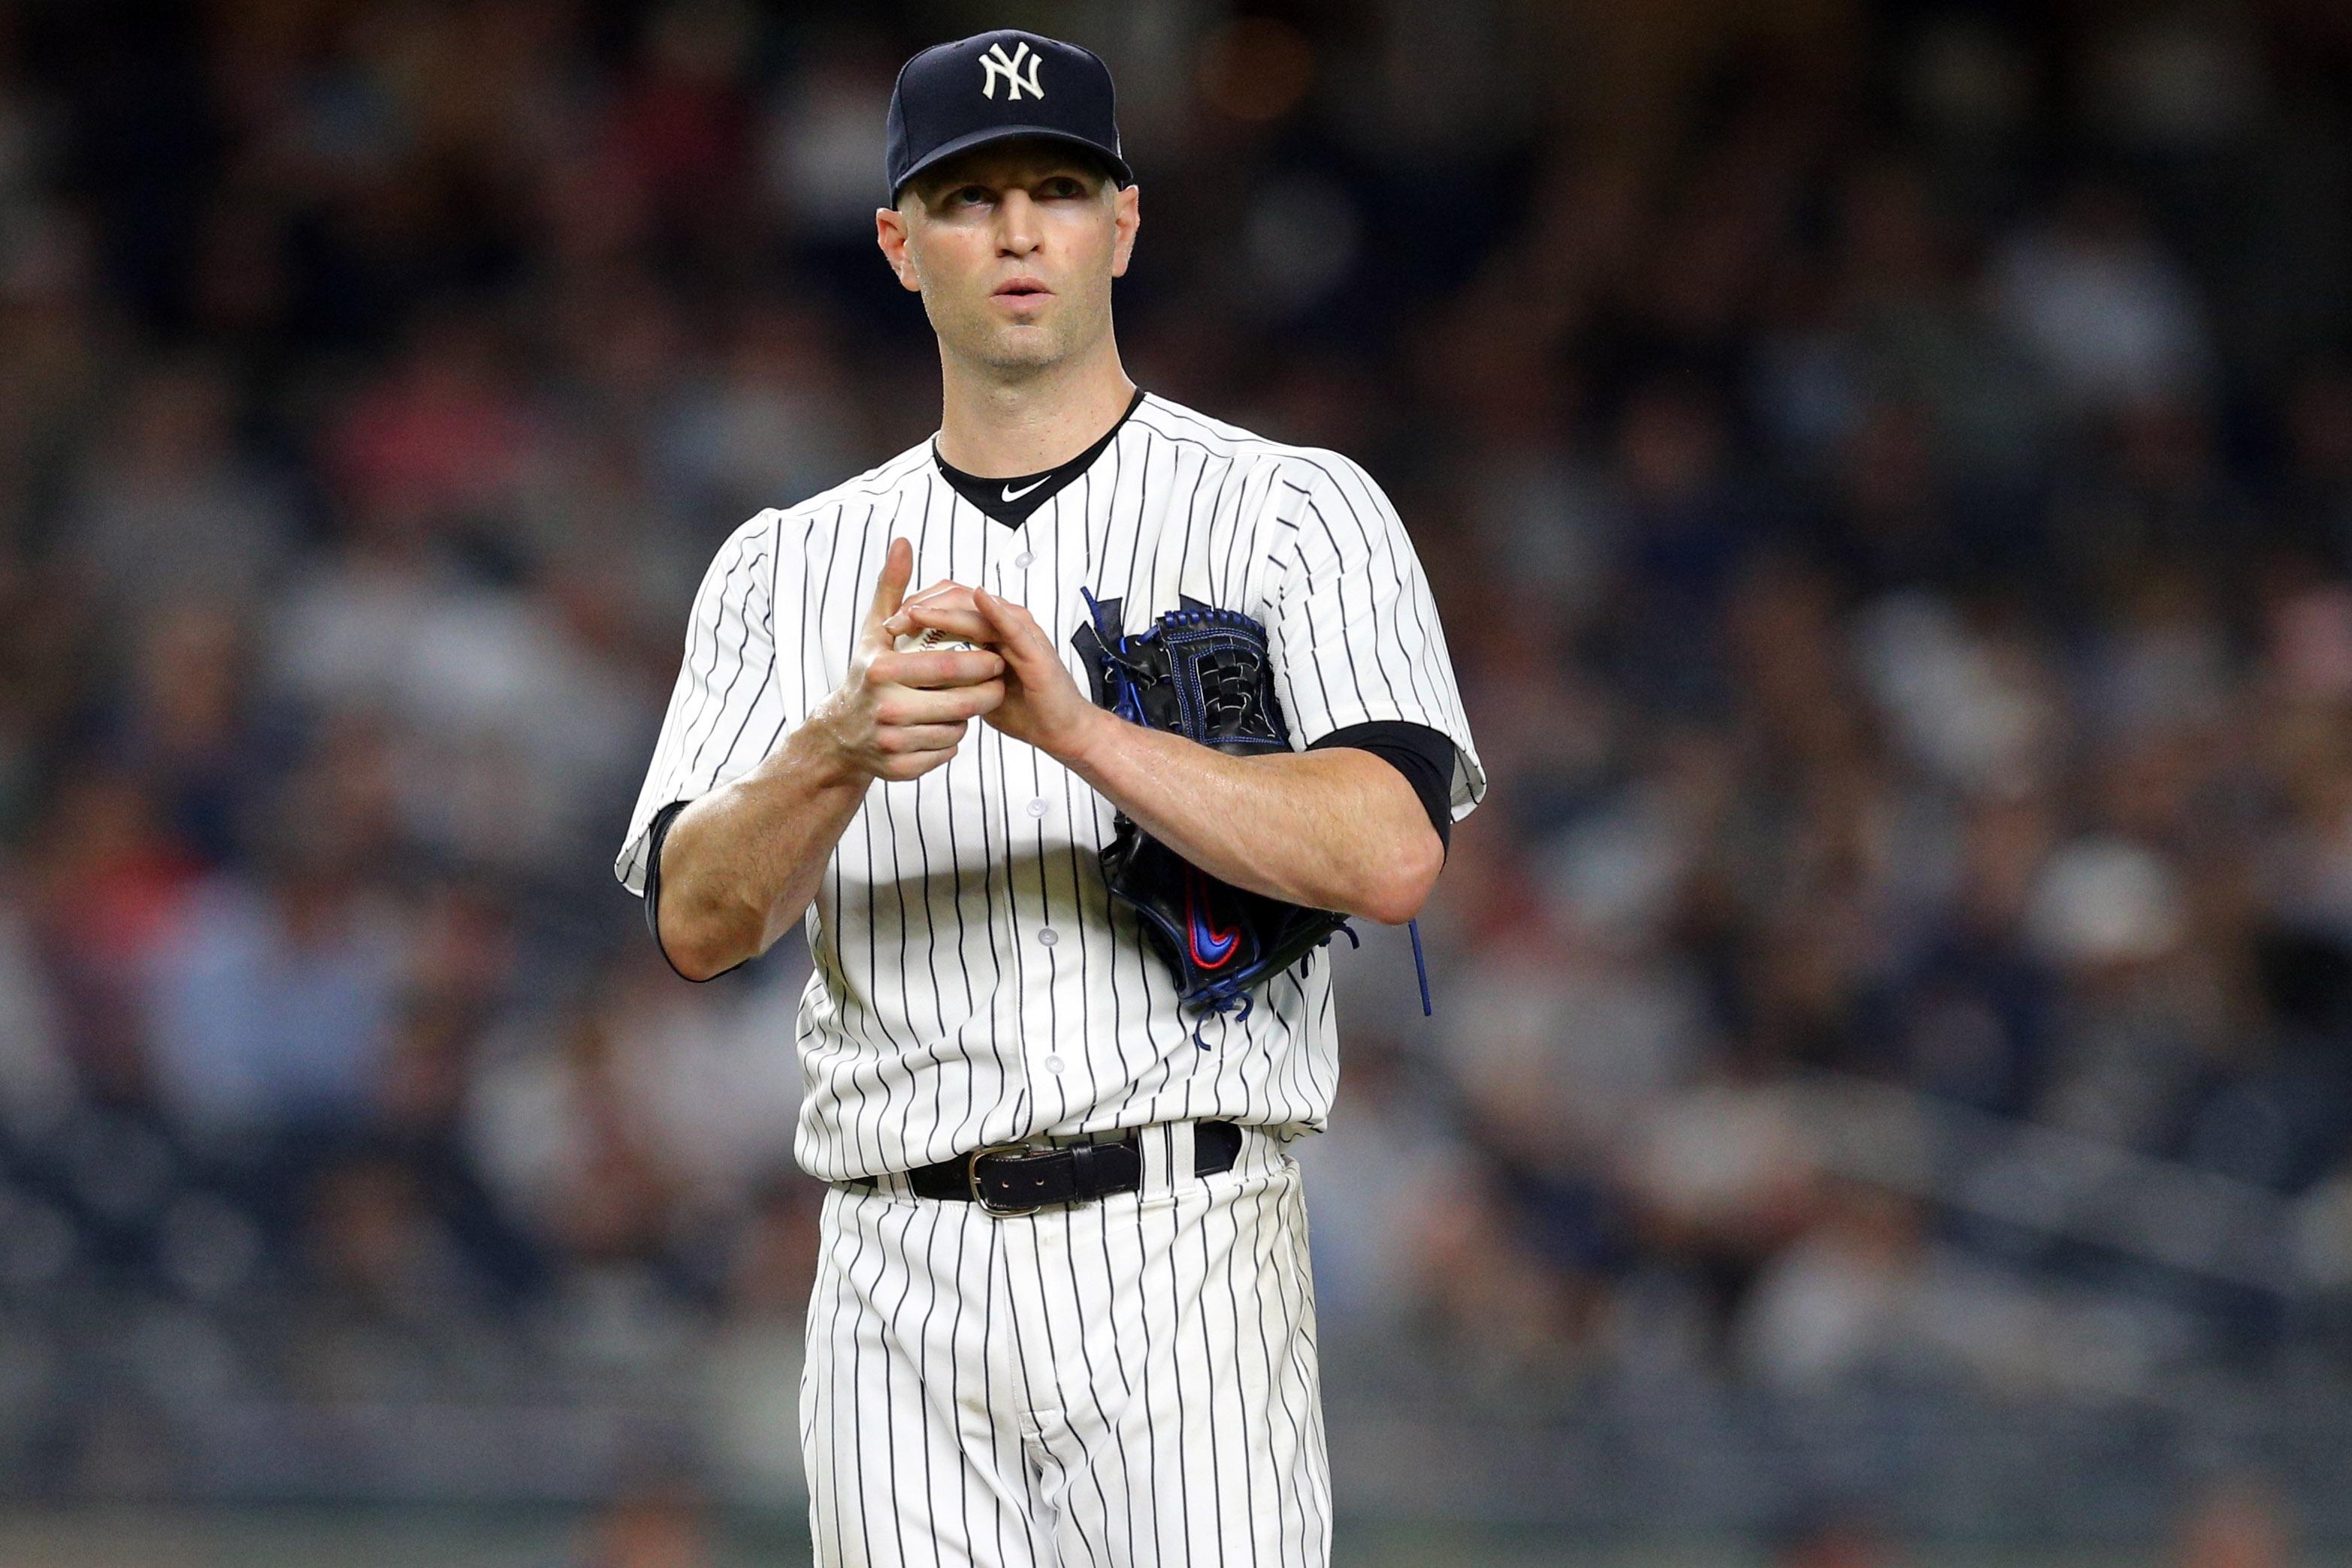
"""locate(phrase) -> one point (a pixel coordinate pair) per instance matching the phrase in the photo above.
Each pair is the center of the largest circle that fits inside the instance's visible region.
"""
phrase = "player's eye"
(968, 196)
(1064, 186)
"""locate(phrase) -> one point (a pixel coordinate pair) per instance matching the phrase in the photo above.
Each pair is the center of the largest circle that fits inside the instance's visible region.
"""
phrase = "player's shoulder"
(1313, 469)
(909, 468)
(786, 529)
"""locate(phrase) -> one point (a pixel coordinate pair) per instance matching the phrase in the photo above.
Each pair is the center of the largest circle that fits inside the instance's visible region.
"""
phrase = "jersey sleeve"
(726, 712)
(1354, 634)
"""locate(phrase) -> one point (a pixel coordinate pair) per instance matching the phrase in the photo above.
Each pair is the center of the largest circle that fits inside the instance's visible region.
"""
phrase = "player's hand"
(1043, 704)
(898, 716)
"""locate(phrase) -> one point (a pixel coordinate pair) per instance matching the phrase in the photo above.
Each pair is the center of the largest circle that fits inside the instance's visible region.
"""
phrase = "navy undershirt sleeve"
(654, 834)
(1424, 756)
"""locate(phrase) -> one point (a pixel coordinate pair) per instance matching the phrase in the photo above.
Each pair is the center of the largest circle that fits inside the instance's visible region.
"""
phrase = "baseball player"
(1063, 1313)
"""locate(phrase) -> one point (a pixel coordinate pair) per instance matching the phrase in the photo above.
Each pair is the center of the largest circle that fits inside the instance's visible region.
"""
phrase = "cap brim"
(1005, 133)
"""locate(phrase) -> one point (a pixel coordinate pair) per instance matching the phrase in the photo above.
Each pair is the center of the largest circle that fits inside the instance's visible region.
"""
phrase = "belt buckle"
(972, 1179)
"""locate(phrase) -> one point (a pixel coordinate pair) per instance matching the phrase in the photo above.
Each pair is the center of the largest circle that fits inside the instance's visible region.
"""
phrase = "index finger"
(1010, 620)
(969, 624)
(946, 593)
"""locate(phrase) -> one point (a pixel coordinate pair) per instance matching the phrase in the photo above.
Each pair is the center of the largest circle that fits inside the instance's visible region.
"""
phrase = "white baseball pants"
(1125, 1384)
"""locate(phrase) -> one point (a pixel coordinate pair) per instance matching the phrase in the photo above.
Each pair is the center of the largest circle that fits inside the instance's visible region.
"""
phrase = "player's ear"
(1127, 214)
(890, 233)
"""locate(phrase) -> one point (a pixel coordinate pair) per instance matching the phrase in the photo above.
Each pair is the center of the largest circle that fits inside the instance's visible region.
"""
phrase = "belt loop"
(1179, 1172)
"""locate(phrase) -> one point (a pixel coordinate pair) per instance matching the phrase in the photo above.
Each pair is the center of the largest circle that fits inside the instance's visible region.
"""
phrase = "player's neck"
(1001, 429)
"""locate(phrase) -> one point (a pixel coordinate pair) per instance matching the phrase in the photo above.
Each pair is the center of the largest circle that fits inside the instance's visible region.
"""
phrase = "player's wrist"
(830, 762)
(1096, 731)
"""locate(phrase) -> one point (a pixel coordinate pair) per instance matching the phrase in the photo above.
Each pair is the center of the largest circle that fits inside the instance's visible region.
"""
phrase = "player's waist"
(1013, 1179)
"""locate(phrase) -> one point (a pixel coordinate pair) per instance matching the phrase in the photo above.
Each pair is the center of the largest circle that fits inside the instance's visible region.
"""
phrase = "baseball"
(929, 640)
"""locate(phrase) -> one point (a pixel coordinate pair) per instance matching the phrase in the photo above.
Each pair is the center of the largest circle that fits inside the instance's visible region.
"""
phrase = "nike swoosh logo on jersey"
(1012, 495)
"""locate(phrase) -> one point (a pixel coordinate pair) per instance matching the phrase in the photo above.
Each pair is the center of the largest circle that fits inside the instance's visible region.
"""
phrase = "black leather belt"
(1017, 1179)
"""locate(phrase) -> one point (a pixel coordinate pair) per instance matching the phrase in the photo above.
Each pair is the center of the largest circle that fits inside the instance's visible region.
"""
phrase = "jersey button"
(1024, 558)
(1038, 807)
(1049, 936)
(1053, 1064)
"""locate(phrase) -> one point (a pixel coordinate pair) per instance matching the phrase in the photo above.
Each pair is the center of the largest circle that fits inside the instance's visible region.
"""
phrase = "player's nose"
(1017, 224)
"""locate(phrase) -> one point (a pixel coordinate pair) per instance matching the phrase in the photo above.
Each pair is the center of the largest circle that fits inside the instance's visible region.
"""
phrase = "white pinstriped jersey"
(974, 981)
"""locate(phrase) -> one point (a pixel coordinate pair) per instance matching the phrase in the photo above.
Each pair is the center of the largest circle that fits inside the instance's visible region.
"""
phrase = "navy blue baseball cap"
(993, 86)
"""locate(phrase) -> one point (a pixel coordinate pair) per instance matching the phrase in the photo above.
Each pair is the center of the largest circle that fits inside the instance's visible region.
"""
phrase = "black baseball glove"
(1200, 673)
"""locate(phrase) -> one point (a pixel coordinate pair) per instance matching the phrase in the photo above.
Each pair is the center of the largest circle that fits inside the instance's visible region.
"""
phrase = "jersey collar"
(1010, 501)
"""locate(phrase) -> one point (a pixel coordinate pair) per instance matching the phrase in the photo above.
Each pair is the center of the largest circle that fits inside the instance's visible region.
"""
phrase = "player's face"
(1013, 247)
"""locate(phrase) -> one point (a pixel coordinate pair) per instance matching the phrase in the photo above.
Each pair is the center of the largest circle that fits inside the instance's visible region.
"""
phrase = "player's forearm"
(1338, 829)
(740, 864)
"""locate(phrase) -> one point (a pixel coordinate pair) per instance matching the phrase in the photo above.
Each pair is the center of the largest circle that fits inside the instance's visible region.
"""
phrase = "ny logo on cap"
(996, 63)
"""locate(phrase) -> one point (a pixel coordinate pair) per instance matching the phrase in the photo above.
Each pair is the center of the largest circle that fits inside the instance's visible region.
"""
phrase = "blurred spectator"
(1839, 1299)
(2109, 315)
(168, 505)
(1721, 1178)
(393, 1295)
(111, 887)
(1684, 524)
(636, 1108)
(273, 998)
(2139, 1012)
(193, 729)
(420, 1106)
(1396, 1149)
(769, 423)
(440, 436)
(752, 1392)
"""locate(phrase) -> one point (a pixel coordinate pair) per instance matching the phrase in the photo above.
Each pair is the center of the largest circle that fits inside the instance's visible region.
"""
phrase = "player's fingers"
(949, 667)
(947, 594)
(890, 587)
(1012, 629)
(969, 624)
(899, 768)
(901, 705)
(901, 739)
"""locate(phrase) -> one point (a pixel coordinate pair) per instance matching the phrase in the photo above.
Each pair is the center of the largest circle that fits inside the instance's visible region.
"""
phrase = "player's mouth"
(1020, 292)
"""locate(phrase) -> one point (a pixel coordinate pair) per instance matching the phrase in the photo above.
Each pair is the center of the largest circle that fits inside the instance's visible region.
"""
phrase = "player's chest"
(1151, 541)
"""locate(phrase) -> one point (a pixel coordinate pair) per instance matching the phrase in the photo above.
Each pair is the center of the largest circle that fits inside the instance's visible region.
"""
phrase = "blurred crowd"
(1887, 476)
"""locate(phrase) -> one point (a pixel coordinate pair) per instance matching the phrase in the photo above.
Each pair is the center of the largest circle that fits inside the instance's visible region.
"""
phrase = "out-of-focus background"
(1887, 475)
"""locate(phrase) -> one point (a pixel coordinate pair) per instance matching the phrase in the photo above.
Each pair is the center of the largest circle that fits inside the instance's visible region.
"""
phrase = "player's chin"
(1026, 345)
